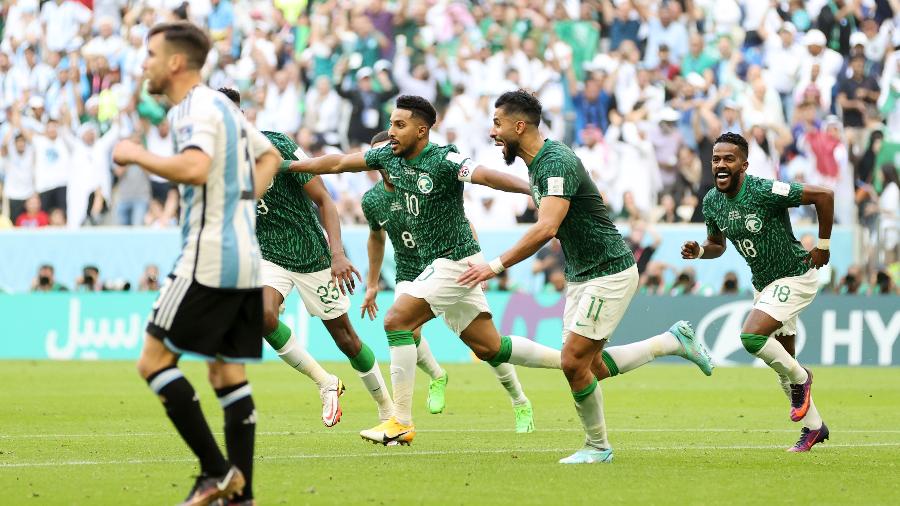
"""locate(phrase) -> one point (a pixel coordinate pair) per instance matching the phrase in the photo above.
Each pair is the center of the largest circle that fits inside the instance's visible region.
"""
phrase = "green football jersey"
(384, 211)
(430, 189)
(756, 221)
(287, 227)
(591, 243)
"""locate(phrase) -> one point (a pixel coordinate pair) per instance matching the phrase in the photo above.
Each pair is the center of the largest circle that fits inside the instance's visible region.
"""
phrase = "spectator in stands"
(131, 193)
(149, 279)
(548, 260)
(89, 281)
(365, 117)
(45, 281)
(52, 161)
(730, 284)
(685, 283)
(889, 208)
(653, 280)
(635, 240)
(18, 178)
(857, 96)
(882, 283)
(34, 216)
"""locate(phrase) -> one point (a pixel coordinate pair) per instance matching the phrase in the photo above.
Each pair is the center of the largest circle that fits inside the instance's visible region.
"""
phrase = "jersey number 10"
(412, 204)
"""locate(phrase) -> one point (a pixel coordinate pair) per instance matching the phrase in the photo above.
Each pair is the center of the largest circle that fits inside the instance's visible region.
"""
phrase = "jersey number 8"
(746, 247)
(408, 240)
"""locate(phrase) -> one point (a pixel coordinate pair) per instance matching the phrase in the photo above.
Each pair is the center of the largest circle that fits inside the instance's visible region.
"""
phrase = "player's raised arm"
(265, 171)
(342, 270)
(550, 216)
(499, 180)
(375, 247)
(823, 200)
(331, 164)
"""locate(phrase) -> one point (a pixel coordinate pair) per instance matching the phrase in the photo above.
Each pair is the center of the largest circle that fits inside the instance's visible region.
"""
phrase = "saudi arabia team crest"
(425, 183)
(753, 223)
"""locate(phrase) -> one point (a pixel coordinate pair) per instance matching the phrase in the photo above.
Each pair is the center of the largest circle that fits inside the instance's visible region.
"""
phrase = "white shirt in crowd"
(52, 161)
(18, 179)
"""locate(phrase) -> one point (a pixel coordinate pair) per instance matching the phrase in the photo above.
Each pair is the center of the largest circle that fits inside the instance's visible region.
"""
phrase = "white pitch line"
(325, 432)
(414, 453)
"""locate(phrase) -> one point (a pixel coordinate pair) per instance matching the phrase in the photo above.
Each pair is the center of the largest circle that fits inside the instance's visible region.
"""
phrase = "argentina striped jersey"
(218, 218)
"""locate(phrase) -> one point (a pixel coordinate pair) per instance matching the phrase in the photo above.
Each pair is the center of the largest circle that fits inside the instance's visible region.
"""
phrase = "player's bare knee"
(145, 367)
(572, 364)
(270, 321)
(393, 321)
(347, 342)
(484, 352)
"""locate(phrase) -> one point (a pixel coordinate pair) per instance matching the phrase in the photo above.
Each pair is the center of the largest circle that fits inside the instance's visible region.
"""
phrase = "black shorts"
(54, 198)
(159, 191)
(216, 323)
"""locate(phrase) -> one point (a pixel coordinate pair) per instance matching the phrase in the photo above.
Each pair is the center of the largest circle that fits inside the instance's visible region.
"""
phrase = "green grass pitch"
(93, 433)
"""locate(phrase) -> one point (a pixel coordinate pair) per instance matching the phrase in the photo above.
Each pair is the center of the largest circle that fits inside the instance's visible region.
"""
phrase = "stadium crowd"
(640, 88)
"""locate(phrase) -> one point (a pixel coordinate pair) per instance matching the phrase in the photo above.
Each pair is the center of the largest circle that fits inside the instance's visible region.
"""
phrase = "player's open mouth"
(723, 176)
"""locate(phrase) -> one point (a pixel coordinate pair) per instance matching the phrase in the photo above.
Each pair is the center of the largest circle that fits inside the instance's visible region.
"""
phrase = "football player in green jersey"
(385, 216)
(297, 254)
(751, 212)
(600, 269)
(429, 183)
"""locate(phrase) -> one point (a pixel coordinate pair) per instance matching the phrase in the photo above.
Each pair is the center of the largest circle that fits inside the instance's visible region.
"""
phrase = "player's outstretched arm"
(191, 166)
(331, 164)
(823, 200)
(713, 248)
(500, 180)
(552, 212)
(375, 247)
(342, 270)
(265, 171)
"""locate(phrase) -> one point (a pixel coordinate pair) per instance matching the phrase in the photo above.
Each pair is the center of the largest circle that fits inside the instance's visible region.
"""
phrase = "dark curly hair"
(232, 94)
(419, 107)
(521, 102)
(736, 139)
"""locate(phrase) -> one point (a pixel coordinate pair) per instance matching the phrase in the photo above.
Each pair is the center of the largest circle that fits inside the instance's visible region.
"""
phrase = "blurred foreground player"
(211, 303)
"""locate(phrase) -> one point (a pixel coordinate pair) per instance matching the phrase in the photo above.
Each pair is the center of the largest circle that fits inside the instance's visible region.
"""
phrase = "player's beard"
(155, 87)
(510, 151)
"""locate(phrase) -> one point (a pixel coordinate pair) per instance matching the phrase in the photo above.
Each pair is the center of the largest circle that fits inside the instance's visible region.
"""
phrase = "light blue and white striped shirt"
(218, 219)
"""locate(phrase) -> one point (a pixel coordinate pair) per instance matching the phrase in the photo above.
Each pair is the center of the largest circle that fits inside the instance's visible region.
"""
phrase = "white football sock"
(297, 357)
(426, 361)
(374, 382)
(590, 410)
(403, 379)
(629, 357)
(506, 374)
(531, 354)
(776, 357)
